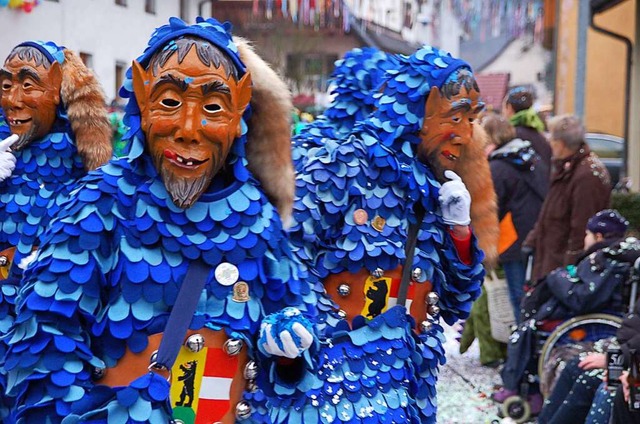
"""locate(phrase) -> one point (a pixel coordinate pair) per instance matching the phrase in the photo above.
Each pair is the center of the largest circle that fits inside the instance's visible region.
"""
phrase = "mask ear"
(433, 102)
(140, 84)
(55, 76)
(244, 92)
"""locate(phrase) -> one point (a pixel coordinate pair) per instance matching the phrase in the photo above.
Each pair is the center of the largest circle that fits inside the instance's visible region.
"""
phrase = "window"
(121, 68)
(121, 3)
(87, 59)
(150, 6)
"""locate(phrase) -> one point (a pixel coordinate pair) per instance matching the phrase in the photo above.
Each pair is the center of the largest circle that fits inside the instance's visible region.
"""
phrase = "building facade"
(108, 34)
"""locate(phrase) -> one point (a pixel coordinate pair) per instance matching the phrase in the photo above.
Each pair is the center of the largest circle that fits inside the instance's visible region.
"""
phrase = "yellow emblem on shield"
(376, 296)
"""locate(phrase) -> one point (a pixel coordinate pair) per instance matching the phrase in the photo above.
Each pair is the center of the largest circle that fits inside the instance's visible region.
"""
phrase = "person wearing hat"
(54, 127)
(378, 210)
(593, 284)
(166, 289)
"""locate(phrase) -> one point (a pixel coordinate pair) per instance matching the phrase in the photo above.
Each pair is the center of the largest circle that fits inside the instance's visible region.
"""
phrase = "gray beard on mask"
(25, 139)
(184, 192)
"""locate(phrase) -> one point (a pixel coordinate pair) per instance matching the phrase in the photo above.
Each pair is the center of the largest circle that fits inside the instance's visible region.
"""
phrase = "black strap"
(409, 253)
(181, 314)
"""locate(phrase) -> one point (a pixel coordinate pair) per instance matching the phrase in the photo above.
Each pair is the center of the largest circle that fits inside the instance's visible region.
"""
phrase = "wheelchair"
(557, 342)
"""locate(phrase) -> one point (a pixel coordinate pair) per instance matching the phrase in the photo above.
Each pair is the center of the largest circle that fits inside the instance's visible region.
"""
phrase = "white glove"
(287, 344)
(24, 262)
(7, 160)
(455, 200)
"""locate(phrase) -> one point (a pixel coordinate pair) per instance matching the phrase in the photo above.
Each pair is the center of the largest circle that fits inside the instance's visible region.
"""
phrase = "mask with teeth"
(191, 104)
(30, 95)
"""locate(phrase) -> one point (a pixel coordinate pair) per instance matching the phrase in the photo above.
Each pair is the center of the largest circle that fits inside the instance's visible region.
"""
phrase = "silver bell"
(232, 347)
(426, 326)
(195, 342)
(4, 261)
(433, 298)
(378, 272)
(98, 373)
(434, 310)
(243, 410)
(342, 314)
(250, 370)
(416, 274)
(344, 290)
(252, 386)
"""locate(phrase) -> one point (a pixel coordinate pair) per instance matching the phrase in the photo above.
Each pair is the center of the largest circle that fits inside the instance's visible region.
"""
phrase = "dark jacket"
(521, 181)
(593, 284)
(580, 187)
(538, 141)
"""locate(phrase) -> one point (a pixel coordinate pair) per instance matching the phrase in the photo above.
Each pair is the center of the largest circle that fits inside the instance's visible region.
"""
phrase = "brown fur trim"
(269, 136)
(473, 168)
(86, 108)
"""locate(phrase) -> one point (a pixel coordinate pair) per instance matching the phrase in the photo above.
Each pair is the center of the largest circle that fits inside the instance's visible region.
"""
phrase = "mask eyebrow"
(5, 74)
(25, 73)
(215, 87)
(463, 105)
(479, 108)
(172, 80)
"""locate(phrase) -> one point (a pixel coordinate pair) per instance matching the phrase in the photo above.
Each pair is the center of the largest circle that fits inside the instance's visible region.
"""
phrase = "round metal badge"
(227, 274)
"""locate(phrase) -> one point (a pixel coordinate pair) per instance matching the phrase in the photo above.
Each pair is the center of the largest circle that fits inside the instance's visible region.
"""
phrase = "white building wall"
(435, 26)
(109, 32)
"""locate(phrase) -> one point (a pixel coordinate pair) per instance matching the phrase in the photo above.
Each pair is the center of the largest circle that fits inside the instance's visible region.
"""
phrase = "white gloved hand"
(7, 159)
(295, 334)
(455, 200)
(24, 262)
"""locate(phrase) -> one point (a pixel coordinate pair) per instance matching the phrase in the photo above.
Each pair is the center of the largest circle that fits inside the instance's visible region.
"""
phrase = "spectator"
(521, 184)
(581, 395)
(580, 186)
(518, 109)
(591, 285)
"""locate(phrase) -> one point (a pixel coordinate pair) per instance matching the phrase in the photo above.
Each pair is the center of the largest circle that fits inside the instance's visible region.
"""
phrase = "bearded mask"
(191, 112)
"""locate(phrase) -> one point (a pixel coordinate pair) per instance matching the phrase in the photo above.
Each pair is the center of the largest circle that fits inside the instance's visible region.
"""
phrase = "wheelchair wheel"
(517, 408)
(589, 327)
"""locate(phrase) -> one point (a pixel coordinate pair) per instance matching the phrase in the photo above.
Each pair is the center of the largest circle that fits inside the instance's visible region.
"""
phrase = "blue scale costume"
(110, 268)
(380, 370)
(45, 172)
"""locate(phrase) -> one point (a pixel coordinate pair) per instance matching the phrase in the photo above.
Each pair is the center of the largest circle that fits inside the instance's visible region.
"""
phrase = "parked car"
(609, 148)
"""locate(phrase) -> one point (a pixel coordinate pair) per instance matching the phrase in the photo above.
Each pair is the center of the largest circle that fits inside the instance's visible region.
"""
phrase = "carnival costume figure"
(381, 198)
(181, 209)
(53, 123)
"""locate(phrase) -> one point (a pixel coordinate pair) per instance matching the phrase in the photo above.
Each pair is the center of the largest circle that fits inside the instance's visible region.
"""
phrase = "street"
(464, 386)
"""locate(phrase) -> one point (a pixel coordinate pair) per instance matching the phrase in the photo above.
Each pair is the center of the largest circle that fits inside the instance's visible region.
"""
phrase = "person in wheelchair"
(590, 285)
(582, 393)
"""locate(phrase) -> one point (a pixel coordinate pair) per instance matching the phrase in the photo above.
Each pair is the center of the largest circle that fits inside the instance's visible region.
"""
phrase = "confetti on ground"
(464, 386)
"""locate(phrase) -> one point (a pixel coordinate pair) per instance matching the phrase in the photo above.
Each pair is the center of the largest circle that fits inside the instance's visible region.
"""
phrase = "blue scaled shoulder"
(355, 81)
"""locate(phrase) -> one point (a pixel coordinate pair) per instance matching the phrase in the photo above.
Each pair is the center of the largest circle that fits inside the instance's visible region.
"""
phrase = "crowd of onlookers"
(553, 198)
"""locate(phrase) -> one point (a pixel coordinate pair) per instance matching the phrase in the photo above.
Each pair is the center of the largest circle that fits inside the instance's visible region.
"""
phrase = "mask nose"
(188, 131)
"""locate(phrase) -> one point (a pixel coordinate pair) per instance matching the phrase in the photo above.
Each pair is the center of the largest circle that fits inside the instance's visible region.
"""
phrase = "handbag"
(501, 314)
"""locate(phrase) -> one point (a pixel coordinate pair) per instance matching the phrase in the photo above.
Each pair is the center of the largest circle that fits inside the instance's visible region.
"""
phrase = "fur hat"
(269, 136)
(608, 222)
(84, 102)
